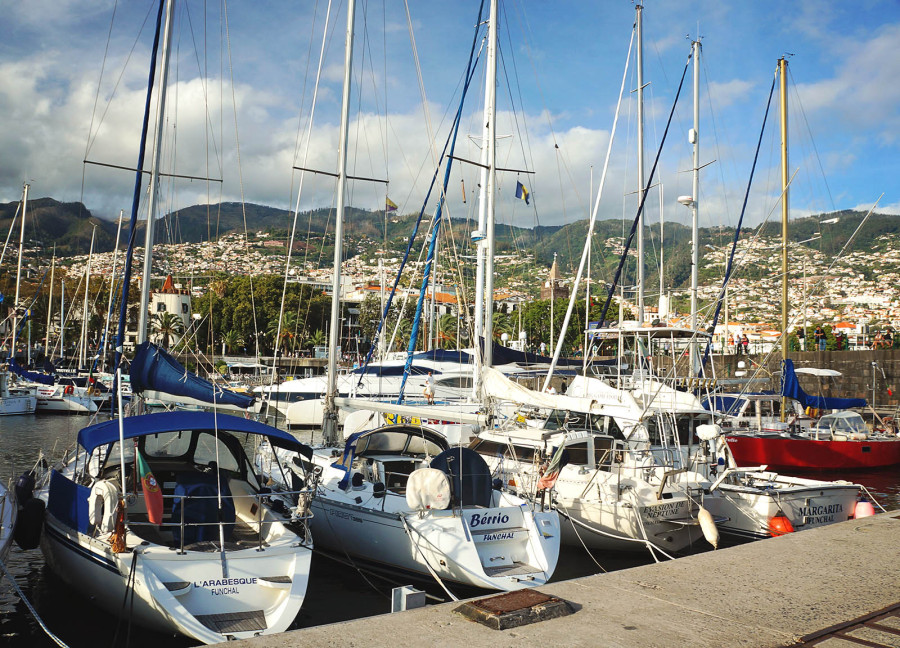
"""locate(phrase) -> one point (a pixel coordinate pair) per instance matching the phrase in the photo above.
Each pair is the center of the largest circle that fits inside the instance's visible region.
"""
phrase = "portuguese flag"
(152, 493)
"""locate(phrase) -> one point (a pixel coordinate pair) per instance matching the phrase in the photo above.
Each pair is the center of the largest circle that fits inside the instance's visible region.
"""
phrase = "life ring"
(69, 389)
(102, 501)
(95, 391)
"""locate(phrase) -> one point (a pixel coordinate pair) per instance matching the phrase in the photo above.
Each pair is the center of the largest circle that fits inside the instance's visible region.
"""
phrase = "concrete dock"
(770, 593)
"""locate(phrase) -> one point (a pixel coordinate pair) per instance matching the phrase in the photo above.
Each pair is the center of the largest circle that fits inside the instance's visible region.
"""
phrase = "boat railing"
(296, 517)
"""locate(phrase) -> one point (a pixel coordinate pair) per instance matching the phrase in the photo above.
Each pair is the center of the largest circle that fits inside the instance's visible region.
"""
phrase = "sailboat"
(838, 441)
(400, 498)
(201, 547)
(749, 503)
(12, 404)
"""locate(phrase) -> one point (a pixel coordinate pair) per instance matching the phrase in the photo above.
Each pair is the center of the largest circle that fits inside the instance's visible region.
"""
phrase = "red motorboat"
(839, 441)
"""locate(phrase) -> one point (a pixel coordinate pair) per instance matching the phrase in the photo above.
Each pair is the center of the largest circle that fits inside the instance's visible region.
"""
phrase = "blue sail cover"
(506, 355)
(153, 368)
(790, 387)
(33, 376)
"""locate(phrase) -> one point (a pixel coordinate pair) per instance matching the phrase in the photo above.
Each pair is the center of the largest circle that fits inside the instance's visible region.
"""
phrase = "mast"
(640, 160)
(143, 312)
(329, 428)
(82, 356)
(50, 307)
(785, 204)
(112, 285)
(15, 320)
(484, 279)
(694, 137)
(62, 320)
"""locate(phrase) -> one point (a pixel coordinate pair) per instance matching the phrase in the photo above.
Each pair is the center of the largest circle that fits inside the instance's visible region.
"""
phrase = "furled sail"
(33, 376)
(154, 369)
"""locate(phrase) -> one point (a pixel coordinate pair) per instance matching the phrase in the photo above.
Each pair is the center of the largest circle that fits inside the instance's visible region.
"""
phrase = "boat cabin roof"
(399, 440)
(107, 432)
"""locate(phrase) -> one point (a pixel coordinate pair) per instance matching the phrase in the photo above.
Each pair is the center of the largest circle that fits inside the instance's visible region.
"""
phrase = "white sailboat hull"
(183, 592)
(8, 515)
(597, 516)
(520, 553)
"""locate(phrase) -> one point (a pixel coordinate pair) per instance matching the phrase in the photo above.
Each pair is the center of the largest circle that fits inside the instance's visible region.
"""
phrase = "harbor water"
(337, 591)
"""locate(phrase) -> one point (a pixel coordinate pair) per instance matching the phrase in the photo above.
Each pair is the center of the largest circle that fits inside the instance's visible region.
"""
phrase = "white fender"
(708, 526)
(102, 501)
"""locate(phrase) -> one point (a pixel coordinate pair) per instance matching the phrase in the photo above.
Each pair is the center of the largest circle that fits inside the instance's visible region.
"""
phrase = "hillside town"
(849, 295)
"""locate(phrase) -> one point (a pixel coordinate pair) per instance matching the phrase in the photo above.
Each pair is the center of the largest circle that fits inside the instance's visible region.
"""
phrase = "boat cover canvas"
(470, 477)
(107, 432)
(33, 376)
(153, 368)
(790, 387)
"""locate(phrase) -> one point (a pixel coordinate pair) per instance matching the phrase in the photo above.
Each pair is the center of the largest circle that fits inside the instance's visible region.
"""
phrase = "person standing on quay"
(820, 338)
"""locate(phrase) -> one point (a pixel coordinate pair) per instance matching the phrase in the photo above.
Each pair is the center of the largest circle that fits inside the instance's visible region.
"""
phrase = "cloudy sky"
(73, 77)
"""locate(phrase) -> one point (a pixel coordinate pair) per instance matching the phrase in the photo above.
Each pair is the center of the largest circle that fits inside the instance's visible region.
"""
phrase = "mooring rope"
(59, 642)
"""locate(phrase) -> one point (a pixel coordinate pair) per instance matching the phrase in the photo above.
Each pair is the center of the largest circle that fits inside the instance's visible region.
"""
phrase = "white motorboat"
(12, 404)
(227, 561)
(399, 498)
(65, 399)
(752, 498)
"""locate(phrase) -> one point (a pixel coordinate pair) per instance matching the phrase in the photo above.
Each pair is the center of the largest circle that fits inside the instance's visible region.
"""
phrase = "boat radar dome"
(687, 201)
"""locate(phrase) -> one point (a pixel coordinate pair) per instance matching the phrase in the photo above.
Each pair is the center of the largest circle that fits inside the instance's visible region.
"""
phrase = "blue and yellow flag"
(522, 192)
(389, 205)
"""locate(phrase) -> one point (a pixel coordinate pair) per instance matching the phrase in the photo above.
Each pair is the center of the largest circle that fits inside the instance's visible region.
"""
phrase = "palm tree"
(447, 326)
(500, 324)
(231, 340)
(288, 335)
(166, 325)
(317, 338)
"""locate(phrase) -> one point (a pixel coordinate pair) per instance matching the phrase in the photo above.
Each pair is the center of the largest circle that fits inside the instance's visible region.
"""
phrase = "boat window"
(167, 444)
(555, 420)
(459, 382)
(421, 446)
(769, 408)
(603, 446)
(383, 442)
(495, 449)
(578, 453)
(210, 449)
(612, 428)
(656, 436)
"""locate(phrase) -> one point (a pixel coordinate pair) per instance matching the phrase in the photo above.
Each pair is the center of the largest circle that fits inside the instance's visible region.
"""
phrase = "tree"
(316, 339)
(165, 326)
(447, 326)
(231, 340)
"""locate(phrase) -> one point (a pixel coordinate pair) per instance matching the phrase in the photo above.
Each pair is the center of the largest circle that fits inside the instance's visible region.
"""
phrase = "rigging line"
(325, 38)
(132, 228)
(91, 135)
(415, 53)
(812, 141)
(451, 138)
(646, 193)
(712, 115)
(591, 222)
(737, 231)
